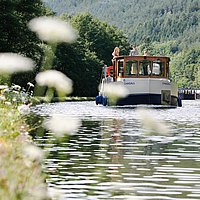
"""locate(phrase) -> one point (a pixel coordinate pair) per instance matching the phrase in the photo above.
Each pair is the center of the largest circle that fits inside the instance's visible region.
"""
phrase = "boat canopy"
(139, 67)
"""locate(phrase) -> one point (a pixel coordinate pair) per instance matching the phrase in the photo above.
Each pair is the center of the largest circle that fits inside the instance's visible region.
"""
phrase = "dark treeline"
(163, 27)
(15, 35)
(158, 19)
(81, 61)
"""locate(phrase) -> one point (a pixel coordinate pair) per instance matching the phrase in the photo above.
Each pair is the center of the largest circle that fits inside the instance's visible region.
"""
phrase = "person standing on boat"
(115, 52)
(145, 53)
(133, 51)
(104, 71)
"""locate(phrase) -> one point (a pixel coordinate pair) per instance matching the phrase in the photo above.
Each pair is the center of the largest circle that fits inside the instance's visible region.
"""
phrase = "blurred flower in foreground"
(53, 30)
(2, 98)
(16, 87)
(114, 91)
(55, 79)
(61, 124)
(55, 193)
(2, 87)
(24, 109)
(12, 62)
(33, 153)
(151, 124)
(30, 84)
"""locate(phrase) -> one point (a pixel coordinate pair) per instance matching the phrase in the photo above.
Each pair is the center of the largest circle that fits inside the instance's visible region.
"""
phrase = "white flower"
(151, 124)
(52, 29)
(55, 193)
(2, 98)
(61, 124)
(16, 87)
(24, 109)
(115, 90)
(8, 103)
(30, 84)
(12, 62)
(2, 87)
(55, 79)
(33, 153)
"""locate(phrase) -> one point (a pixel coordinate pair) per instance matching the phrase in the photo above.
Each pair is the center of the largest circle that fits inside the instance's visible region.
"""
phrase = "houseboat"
(146, 78)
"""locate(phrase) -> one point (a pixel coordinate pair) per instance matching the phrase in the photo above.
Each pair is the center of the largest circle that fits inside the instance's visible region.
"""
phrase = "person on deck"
(133, 51)
(146, 53)
(115, 52)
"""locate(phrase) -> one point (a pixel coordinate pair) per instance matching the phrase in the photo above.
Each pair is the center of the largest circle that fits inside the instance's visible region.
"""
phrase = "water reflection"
(111, 157)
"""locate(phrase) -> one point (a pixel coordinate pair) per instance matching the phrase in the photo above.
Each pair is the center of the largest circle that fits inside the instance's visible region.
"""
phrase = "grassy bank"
(21, 174)
(37, 100)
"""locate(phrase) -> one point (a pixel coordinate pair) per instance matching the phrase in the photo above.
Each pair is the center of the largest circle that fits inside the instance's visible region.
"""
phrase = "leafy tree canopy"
(83, 61)
(15, 35)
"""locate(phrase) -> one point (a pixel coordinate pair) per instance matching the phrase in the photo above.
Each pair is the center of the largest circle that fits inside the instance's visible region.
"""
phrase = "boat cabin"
(145, 78)
(139, 67)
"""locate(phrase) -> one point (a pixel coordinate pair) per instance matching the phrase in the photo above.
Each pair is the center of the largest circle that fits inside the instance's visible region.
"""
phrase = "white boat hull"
(149, 91)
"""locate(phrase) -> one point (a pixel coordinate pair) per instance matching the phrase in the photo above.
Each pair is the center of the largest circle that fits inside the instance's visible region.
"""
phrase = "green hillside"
(163, 27)
(159, 20)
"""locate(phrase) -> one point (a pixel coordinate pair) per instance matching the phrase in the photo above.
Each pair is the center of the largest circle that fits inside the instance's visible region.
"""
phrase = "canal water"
(113, 156)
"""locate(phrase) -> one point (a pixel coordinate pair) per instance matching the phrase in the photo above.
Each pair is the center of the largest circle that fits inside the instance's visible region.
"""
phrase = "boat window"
(120, 68)
(145, 68)
(158, 68)
(131, 68)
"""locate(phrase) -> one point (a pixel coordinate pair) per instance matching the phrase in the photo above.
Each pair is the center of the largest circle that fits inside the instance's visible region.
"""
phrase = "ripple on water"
(111, 157)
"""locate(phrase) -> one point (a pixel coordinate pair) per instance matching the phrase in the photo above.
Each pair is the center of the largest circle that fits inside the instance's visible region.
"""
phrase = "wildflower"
(115, 91)
(55, 193)
(151, 124)
(55, 79)
(2, 98)
(30, 84)
(16, 87)
(52, 29)
(33, 153)
(24, 109)
(12, 62)
(8, 103)
(61, 124)
(2, 87)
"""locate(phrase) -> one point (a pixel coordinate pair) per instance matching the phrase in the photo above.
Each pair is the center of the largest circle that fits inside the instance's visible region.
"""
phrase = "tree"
(185, 68)
(15, 35)
(99, 37)
(83, 61)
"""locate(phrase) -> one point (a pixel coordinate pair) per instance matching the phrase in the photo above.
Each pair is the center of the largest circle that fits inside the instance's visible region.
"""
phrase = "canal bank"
(21, 175)
(39, 100)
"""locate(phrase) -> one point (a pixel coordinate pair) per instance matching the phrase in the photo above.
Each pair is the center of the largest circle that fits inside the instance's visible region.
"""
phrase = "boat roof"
(140, 57)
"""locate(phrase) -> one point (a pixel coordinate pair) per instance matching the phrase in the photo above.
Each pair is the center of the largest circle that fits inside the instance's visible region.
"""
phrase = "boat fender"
(179, 101)
(99, 100)
(105, 101)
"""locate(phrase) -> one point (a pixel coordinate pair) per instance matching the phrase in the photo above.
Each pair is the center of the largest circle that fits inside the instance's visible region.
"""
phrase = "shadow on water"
(111, 157)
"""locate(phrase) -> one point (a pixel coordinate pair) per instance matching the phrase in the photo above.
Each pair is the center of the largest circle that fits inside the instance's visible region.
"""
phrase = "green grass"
(36, 100)
(21, 176)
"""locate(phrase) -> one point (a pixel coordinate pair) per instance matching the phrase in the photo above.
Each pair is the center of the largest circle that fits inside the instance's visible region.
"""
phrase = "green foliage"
(99, 37)
(22, 176)
(83, 61)
(162, 27)
(81, 65)
(159, 20)
(15, 35)
(185, 68)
